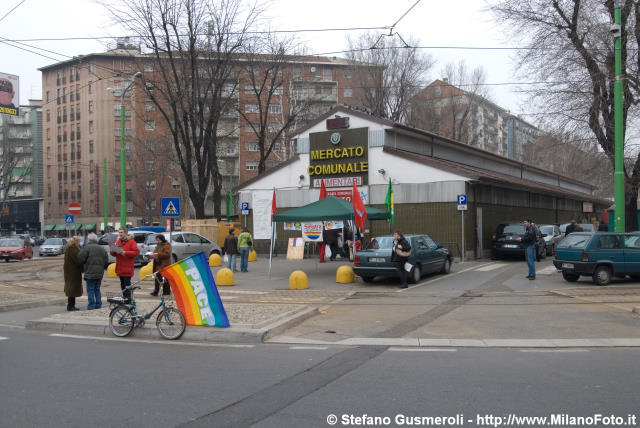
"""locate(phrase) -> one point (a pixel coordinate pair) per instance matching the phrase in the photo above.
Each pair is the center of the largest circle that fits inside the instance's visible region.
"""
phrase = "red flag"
(274, 210)
(323, 190)
(360, 213)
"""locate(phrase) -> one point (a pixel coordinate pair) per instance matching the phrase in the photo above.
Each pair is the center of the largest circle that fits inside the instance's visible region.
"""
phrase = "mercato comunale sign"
(351, 155)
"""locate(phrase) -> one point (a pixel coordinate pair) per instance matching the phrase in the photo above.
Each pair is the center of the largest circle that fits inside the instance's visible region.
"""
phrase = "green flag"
(230, 199)
(388, 201)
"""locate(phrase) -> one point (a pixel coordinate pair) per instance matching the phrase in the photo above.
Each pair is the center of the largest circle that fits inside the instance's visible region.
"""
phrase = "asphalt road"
(52, 380)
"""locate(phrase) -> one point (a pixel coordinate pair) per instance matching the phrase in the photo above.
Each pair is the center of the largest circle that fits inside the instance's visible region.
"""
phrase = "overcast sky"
(453, 23)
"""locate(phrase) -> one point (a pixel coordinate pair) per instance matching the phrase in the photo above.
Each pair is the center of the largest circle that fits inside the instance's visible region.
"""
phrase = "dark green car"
(426, 257)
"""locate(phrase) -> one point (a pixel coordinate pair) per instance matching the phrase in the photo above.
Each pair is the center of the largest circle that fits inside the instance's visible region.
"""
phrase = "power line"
(405, 14)
(15, 7)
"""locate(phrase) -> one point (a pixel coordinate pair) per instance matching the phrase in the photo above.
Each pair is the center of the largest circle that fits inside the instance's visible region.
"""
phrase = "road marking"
(491, 267)
(549, 270)
(3, 338)
(299, 348)
(165, 342)
(553, 350)
(422, 349)
(440, 278)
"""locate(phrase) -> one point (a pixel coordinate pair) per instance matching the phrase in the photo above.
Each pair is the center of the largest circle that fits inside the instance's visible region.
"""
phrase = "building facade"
(81, 131)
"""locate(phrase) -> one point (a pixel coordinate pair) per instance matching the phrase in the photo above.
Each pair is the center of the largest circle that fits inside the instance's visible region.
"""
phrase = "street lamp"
(123, 201)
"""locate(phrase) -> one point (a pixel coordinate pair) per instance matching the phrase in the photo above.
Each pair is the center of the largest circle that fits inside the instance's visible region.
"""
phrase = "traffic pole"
(618, 176)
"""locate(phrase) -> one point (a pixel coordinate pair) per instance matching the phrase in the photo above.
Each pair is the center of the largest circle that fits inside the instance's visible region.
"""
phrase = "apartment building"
(81, 131)
(469, 118)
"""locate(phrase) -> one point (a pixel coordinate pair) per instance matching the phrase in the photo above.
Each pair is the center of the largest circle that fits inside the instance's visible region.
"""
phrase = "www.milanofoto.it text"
(486, 420)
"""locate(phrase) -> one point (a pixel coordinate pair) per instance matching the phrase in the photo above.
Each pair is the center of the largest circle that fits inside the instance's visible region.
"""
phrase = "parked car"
(53, 247)
(551, 235)
(183, 245)
(506, 241)
(138, 235)
(426, 257)
(15, 248)
(601, 255)
(586, 227)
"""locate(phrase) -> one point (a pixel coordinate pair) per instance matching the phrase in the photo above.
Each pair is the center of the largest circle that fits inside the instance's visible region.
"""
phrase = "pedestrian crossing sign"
(170, 207)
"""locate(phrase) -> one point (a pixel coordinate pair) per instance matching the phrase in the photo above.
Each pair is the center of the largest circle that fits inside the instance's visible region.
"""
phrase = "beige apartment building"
(81, 132)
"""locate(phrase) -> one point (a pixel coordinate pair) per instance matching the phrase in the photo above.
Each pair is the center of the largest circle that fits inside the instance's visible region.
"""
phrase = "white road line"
(491, 267)
(441, 277)
(422, 349)
(3, 338)
(552, 350)
(549, 270)
(157, 342)
(318, 348)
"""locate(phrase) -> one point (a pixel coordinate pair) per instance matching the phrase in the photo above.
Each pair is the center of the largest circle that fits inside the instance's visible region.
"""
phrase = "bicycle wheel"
(171, 323)
(121, 321)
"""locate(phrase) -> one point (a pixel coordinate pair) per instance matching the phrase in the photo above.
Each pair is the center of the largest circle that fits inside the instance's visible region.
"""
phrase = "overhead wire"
(14, 8)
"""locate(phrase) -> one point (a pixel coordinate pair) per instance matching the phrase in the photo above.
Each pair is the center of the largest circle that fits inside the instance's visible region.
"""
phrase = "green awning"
(329, 208)
(88, 226)
(62, 226)
(49, 227)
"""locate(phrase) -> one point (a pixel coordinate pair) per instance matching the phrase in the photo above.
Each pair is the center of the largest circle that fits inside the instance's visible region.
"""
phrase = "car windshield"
(574, 240)
(53, 241)
(10, 243)
(107, 239)
(380, 243)
(515, 229)
(546, 230)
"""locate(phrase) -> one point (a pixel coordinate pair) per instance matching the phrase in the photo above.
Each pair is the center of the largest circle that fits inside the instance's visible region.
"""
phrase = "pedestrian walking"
(529, 242)
(231, 249)
(125, 251)
(93, 258)
(400, 255)
(72, 273)
(161, 259)
(571, 228)
(330, 238)
(245, 244)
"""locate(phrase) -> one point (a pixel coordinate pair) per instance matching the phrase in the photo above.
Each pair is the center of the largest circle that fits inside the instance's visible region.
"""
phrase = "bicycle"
(124, 316)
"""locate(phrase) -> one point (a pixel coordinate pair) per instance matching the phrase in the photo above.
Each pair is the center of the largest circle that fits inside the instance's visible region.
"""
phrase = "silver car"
(139, 236)
(53, 247)
(551, 235)
(183, 245)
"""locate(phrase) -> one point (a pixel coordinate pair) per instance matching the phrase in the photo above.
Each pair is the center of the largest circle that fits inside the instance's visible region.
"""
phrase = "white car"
(183, 245)
(52, 247)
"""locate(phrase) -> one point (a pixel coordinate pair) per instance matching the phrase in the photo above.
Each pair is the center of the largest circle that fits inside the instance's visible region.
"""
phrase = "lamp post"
(618, 175)
(123, 194)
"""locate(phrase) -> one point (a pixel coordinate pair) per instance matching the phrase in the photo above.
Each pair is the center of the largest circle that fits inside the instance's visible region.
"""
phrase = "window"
(149, 165)
(609, 242)
(248, 90)
(149, 106)
(77, 111)
(153, 204)
(148, 67)
(437, 91)
(275, 109)
(90, 106)
(297, 73)
(347, 92)
(48, 115)
(129, 206)
(48, 152)
(326, 74)
(251, 108)
(91, 68)
(251, 165)
(90, 85)
(277, 91)
(151, 185)
(150, 125)
(48, 97)
(175, 185)
(347, 73)
(252, 146)
(48, 134)
(91, 165)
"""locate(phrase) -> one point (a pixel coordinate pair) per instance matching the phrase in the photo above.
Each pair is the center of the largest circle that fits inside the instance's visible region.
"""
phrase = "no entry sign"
(74, 208)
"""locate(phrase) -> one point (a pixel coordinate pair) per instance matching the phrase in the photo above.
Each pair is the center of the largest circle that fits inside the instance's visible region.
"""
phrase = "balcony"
(78, 116)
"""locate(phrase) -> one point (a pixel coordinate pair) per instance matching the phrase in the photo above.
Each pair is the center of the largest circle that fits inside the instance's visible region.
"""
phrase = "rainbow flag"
(195, 291)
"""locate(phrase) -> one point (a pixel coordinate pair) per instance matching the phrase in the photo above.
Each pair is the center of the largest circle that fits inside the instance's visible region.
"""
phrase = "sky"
(452, 23)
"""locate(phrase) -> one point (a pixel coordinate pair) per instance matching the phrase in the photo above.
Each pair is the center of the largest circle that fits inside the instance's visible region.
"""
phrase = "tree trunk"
(217, 195)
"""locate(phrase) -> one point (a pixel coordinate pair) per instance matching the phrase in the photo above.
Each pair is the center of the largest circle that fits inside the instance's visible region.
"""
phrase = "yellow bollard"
(215, 260)
(146, 270)
(111, 271)
(345, 275)
(224, 277)
(253, 256)
(298, 280)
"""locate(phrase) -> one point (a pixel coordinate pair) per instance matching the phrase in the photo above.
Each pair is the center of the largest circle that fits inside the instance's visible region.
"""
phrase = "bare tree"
(193, 44)
(569, 46)
(401, 71)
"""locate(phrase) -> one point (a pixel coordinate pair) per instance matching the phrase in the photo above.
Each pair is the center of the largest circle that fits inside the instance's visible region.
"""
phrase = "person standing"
(400, 256)
(161, 259)
(570, 228)
(93, 258)
(529, 242)
(72, 273)
(245, 244)
(330, 238)
(231, 249)
(125, 252)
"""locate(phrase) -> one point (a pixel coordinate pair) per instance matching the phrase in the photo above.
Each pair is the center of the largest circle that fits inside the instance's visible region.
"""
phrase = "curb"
(32, 304)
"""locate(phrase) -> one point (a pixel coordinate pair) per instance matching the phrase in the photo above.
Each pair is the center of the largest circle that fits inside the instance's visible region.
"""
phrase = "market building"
(427, 172)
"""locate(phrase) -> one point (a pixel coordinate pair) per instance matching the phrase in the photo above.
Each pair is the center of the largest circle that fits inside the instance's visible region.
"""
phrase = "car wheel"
(602, 275)
(570, 277)
(446, 267)
(635, 277)
(367, 278)
(550, 250)
(416, 274)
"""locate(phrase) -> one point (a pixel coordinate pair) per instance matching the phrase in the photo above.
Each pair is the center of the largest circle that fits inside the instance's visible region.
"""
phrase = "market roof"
(329, 208)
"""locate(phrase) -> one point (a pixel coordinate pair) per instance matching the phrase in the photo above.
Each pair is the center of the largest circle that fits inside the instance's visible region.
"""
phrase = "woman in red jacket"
(125, 252)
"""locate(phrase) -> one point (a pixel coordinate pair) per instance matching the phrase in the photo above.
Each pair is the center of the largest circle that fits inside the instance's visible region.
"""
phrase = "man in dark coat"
(93, 258)
(529, 242)
(399, 256)
(72, 273)
(330, 238)
(231, 249)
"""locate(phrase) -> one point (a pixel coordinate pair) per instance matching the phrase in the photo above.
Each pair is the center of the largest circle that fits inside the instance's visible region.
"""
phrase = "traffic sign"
(170, 207)
(462, 202)
(74, 208)
(68, 219)
(245, 208)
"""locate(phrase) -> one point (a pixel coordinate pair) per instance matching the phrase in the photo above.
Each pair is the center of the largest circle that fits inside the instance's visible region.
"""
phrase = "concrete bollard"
(298, 280)
(146, 270)
(215, 260)
(253, 256)
(345, 275)
(224, 277)
(111, 271)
